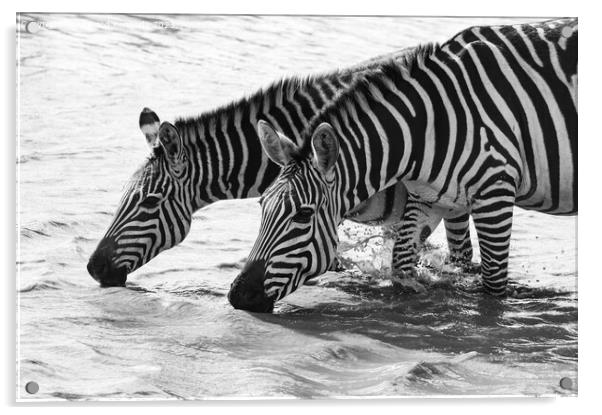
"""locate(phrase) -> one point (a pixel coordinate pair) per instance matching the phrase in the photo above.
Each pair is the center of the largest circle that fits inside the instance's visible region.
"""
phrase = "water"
(171, 332)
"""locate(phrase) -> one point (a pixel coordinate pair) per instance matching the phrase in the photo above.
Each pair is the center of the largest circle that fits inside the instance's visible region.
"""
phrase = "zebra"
(476, 125)
(217, 156)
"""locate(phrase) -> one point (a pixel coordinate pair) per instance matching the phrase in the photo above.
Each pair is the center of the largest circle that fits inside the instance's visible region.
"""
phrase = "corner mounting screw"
(32, 388)
(566, 383)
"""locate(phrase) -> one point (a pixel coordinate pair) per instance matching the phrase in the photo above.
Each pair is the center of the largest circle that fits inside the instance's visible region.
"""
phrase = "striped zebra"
(474, 126)
(217, 156)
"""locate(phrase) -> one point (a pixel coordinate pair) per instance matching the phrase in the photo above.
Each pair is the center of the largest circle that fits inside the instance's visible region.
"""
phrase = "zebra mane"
(282, 87)
(145, 172)
(359, 76)
(400, 66)
(287, 86)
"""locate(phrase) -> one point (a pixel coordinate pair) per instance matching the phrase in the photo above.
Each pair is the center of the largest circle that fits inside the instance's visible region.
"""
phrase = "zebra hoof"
(519, 292)
(408, 281)
(470, 267)
(465, 264)
(409, 285)
(410, 274)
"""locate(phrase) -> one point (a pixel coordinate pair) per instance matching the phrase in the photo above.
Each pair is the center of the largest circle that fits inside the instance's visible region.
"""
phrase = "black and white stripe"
(219, 156)
(486, 121)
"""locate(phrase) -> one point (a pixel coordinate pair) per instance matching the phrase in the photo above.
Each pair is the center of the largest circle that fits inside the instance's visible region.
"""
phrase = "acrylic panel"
(170, 332)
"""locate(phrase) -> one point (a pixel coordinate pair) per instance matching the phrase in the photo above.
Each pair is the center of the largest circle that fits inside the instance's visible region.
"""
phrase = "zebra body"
(215, 156)
(486, 121)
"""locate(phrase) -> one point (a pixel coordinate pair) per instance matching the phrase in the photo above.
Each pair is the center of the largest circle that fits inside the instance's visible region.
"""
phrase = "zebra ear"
(278, 147)
(325, 146)
(149, 124)
(170, 140)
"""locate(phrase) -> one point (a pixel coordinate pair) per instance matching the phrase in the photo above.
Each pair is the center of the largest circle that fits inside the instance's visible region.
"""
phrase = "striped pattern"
(486, 121)
(294, 212)
(218, 157)
(155, 214)
(224, 160)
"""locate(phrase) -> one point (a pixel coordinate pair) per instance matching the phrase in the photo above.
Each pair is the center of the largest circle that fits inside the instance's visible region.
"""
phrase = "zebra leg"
(493, 222)
(457, 229)
(337, 264)
(418, 222)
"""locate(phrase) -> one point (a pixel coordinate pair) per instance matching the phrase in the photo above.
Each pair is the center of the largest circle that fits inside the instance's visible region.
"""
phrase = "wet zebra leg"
(457, 229)
(492, 217)
(418, 222)
(337, 264)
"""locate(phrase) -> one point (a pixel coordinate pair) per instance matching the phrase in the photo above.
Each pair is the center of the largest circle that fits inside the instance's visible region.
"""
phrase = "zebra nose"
(101, 268)
(247, 291)
(98, 267)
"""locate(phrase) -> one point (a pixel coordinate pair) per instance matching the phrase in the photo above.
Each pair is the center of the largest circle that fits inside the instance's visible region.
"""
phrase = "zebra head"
(298, 234)
(155, 211)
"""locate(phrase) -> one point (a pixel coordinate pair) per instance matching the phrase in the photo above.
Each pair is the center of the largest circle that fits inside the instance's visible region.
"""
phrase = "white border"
(589, 233)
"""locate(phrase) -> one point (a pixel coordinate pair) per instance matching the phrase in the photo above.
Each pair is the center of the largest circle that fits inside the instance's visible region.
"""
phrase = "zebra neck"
(229, 157)
(376, 123)
(230, 162)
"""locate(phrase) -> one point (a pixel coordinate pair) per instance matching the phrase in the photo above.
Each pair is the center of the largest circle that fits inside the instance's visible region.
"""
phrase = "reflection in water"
(171, 332)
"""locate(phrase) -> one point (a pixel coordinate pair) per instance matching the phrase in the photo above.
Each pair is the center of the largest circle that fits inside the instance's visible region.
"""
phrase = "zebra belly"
(552, 193)
(544, 203)
(384, 208)
(451, 202)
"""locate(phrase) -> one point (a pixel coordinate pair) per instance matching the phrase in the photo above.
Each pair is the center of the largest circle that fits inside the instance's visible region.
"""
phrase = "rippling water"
(171, 332)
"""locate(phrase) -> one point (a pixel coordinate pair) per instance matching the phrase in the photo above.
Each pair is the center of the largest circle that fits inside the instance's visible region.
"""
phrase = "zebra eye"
(303, 215)
(150, 201)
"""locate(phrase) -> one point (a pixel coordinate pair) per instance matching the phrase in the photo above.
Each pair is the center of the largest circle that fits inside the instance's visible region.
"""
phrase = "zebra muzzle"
(247, 291)
(101, 268)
